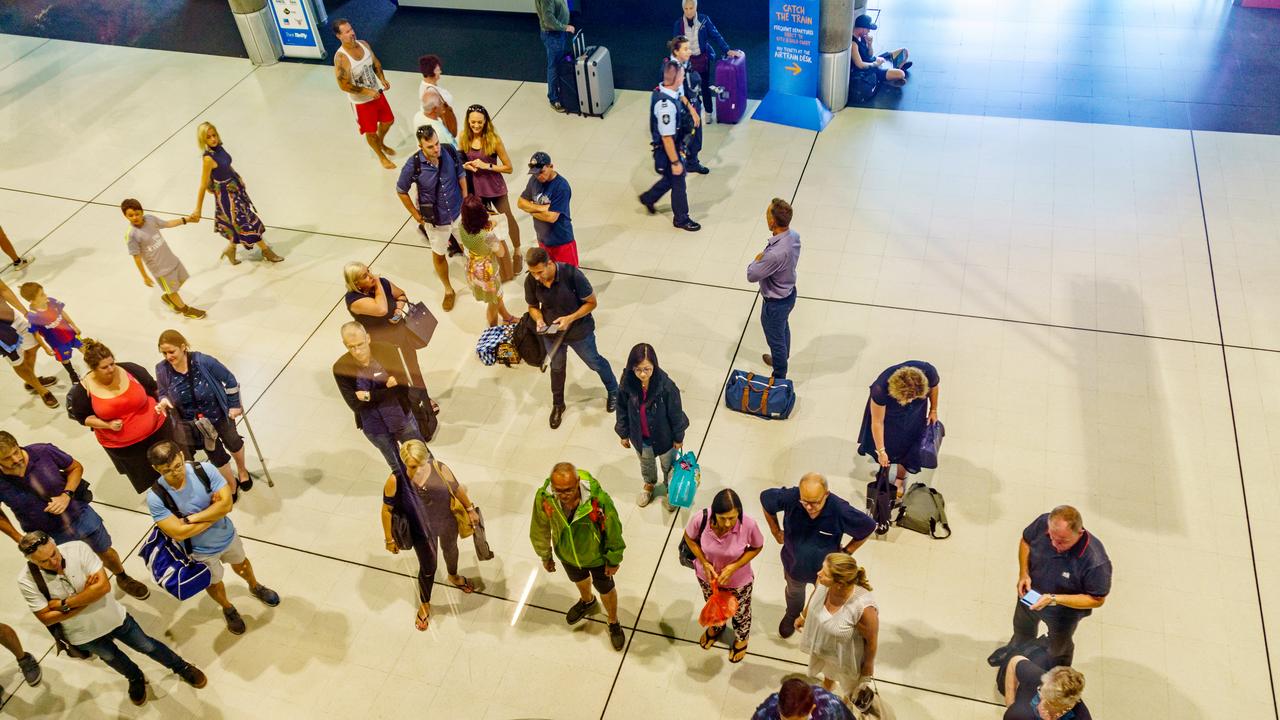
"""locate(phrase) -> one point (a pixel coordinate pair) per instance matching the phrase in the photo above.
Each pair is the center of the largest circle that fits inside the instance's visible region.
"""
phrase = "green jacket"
(553, 15)
(591, 538)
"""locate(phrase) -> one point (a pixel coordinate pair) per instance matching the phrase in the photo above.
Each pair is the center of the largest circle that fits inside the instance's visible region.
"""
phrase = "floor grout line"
(1235, 432)
(14, 62)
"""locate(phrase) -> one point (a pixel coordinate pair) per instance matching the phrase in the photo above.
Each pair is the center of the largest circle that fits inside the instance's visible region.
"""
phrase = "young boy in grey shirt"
(151, 252)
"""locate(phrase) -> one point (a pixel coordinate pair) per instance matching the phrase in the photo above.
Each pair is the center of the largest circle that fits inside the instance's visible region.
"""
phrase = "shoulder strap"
(941, 512)
(706, 515)
(38, 577)
(204, 477)
(166, 499)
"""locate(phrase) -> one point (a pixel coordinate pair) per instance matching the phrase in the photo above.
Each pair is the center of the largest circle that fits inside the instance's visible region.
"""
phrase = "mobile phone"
(1031, 598)
(552, 329)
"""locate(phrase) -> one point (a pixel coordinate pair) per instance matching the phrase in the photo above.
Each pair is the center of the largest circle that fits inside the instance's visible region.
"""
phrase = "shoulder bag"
(59, 635)
(687, 557)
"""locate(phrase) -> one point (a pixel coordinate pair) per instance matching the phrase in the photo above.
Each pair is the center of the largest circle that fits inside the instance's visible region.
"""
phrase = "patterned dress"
(235, 218)
(482, 264)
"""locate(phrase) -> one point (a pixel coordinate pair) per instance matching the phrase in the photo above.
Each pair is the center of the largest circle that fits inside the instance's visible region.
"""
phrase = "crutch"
(256, 448)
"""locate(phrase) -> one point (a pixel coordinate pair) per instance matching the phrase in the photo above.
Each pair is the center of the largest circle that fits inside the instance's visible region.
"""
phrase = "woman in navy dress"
(904, 400)
(235, 218)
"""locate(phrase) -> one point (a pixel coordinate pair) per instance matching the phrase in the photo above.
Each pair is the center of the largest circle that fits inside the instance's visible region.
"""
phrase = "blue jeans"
(777, 332)
(132, 635)
(586, 351)
(389, 443)
(669, 181)
(87, 528)
(557, 44)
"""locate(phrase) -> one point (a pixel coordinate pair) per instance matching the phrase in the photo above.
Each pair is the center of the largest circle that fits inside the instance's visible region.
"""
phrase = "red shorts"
(566, 253)
(369, 114)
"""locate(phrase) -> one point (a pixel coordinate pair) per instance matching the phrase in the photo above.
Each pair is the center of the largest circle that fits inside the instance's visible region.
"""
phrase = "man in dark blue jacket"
(706, 42)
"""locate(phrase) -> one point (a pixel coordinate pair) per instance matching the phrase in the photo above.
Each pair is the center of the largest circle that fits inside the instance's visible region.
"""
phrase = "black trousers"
(1062, 627)
(669, 181)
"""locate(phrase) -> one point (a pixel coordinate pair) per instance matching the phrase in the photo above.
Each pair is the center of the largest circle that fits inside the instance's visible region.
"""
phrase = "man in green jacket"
(573, 516)
(553, 20)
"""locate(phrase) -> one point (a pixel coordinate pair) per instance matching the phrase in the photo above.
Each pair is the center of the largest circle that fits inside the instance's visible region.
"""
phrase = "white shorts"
(438, 236)
(233, 555)
(27, 341)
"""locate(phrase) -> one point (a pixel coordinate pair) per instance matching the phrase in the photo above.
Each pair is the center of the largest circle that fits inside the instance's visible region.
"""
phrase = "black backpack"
(880, 496)
(527, 342)
(862, 86)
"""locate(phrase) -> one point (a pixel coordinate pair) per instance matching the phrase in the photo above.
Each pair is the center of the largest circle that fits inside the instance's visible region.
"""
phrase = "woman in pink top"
(725, 541)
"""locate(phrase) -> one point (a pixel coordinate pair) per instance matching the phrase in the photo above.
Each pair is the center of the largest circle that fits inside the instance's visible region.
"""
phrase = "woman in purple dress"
(487, 161)
(235, 218)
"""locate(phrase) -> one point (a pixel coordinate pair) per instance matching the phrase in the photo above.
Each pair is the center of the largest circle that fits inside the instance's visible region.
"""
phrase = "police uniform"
(667, 116)
(692, 89)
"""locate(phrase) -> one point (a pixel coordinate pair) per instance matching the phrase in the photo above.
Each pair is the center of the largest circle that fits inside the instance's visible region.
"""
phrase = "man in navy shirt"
(439, 175)
(1070, 569)
(41, 485)
(546, 198)
(814, 523)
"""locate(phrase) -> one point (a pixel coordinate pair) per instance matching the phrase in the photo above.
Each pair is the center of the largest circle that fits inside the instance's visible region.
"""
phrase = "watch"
(69, 493)
(64, 608)
(1053, 599)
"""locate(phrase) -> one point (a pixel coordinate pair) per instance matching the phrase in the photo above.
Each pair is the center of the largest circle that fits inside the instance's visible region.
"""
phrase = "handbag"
(687, 558)
(419, 324)
(59, 635)
(685, 477)
(931, 444)
(455, 506)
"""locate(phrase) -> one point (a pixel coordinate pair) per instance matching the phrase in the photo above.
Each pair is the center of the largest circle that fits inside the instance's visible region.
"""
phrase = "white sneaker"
(645, 497)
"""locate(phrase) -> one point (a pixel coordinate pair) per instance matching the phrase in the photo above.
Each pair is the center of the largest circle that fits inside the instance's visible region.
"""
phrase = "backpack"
(862, 86)
(169, 560)
(880, 496)
(685, 477)
(527, 343)
(923, 510)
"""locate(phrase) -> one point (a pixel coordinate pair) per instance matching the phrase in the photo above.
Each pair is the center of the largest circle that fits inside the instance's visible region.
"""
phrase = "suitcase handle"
(578, 45)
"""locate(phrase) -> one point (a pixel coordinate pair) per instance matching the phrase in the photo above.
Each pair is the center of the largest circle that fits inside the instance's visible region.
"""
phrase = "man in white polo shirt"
(66, 586)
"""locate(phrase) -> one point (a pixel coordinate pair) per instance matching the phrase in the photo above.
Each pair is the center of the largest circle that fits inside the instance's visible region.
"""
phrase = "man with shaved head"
(374, 385)
(814, 523)
(574, 517)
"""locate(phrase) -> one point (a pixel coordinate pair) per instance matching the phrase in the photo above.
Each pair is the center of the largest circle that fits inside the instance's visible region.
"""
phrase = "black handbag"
(400, 531)
(419, 324)
(687, 558)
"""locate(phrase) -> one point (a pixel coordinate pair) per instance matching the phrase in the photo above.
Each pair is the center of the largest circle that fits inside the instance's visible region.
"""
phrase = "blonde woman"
(841, 625)
(1030, 693)
(424, 499)
(904, 400)
(487, 161)
(235, 218)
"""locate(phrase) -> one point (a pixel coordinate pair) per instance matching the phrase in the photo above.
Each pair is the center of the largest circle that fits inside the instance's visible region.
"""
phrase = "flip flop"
(709, 637)
(737, 653)
(466, 586)
(422, 622)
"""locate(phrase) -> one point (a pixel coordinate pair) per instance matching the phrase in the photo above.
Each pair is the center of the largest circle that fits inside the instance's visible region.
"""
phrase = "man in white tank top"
(360, 76)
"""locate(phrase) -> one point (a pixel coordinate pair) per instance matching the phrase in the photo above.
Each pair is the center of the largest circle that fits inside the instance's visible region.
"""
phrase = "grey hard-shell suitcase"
(594, 69)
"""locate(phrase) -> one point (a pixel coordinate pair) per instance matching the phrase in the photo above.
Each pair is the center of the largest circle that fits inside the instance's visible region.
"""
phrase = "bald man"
(374, 385)
(814, 523)
(574, 517)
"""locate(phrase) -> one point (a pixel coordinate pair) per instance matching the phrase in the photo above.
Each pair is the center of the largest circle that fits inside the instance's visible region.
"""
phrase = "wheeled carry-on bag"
(731, 75)
(594, 70)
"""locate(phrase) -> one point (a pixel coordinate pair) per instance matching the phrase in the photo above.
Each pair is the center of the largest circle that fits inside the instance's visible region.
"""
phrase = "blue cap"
(538, 161)
(864, 21)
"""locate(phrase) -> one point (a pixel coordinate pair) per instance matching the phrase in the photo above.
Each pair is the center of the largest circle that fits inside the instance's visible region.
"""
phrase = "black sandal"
(709, 637)
(736, 653)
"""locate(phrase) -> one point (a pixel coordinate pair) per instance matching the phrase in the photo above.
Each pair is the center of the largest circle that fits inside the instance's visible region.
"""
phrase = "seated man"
(888, 66)
(1031, 693)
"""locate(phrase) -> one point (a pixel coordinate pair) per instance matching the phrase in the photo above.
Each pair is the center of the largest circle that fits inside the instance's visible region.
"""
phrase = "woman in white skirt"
(841, 626)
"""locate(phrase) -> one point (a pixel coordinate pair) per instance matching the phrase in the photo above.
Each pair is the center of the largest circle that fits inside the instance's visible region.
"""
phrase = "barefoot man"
(360, 77)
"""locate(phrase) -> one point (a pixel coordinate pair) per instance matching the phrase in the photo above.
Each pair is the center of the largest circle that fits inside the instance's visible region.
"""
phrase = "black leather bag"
(687, 558)
(880, 496)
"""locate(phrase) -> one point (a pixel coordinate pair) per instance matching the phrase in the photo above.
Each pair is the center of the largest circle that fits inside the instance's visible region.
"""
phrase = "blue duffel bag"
(762, 395)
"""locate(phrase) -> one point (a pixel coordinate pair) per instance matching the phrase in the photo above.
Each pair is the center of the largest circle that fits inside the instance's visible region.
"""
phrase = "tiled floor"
(1056, 273)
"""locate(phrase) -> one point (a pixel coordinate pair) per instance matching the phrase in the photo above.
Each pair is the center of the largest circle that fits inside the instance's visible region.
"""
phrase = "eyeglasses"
(813, 505)
(568, 492)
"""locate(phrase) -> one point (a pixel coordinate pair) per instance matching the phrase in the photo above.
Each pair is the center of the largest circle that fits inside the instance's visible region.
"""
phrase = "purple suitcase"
(731, 74)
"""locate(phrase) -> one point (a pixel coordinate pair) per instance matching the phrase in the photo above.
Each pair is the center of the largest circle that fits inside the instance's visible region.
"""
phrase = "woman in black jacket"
(650, 418)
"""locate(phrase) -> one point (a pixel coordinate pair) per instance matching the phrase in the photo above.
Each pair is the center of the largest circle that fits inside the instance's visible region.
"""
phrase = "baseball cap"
(537, 162)
(864, 21)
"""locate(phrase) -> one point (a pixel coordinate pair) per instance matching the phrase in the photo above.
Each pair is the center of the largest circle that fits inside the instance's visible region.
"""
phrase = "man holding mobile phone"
(1063, 574)
(561, 300)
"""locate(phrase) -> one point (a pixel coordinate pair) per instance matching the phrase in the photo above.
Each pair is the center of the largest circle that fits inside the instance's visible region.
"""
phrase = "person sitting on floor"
(888, 67)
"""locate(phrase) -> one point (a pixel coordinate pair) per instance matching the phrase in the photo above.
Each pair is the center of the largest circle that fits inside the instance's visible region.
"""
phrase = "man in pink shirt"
(723, 541)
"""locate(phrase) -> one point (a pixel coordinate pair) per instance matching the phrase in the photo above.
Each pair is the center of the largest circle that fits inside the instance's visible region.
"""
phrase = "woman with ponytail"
(841, 625)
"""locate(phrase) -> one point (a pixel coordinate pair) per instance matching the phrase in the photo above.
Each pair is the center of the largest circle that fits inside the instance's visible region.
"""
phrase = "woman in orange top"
(118, 402)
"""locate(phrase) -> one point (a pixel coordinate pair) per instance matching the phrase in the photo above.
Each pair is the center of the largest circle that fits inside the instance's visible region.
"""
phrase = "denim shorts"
(87, 528)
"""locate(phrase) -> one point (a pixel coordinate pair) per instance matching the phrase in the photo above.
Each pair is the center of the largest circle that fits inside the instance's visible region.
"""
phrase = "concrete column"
(257, 28)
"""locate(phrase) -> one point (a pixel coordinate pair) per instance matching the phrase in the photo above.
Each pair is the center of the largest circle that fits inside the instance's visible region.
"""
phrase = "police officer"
(665, 127)
(691, 99)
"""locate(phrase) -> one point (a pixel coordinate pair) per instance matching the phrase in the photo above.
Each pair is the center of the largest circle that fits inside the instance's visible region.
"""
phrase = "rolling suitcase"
(594, 72)
(731, 76)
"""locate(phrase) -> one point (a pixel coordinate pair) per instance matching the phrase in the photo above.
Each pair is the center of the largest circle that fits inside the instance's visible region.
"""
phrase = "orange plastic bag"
(720, 607)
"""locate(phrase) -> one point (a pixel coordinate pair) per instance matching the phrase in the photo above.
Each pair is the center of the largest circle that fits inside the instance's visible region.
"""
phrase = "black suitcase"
(880, 496)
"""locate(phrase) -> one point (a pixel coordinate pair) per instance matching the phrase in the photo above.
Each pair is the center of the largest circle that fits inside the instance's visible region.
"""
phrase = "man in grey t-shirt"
(151, 252)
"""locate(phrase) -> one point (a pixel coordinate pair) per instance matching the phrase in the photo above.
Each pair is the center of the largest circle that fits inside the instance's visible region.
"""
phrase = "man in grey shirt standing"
(553, 19)
(775, 270)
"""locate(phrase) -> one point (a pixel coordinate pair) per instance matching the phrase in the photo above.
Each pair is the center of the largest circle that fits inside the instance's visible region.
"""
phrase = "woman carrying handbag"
(841, 625)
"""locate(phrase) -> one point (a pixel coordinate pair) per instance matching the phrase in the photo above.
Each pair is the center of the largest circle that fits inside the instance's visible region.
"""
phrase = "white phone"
(1031, 598)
